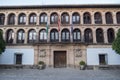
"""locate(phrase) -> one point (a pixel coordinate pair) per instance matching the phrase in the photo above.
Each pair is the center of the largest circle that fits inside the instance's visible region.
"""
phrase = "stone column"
(6, 19)
(26, 37)
(116, 31)
(59, 32)
(81, 17)
(103, 18)
(92, 18)
(105, 36)
(82, 35)
(48, 22)
(48, 19)
(37, 34)
(70, 15)
(15, 36)
(114, 18)
(94, 36)
(27, 19)
(60, 36)
(16, 19)
(48, 36)
(37, 23)
(71, 37)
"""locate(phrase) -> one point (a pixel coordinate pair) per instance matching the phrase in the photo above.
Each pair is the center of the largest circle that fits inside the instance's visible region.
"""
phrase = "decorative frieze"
(78, 52)
(42, 53)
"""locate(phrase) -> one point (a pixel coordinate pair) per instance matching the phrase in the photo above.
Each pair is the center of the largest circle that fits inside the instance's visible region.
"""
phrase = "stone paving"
(58, 74)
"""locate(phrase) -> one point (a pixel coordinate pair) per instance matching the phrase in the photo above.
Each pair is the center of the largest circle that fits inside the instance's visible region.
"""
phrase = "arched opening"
(110, 35)
(20, 36)
(88, 36)
(65, 35)
(54, 35)
(99, 36)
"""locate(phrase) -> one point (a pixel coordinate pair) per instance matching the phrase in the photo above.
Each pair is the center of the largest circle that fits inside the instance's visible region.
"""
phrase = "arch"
(32, 18)
(42, 35)
(65, 35)
(75, 18)
(118, 17)
(76, 35)
(88, 35)
(20, 36)
(32, 36)
(10, 36)
(54, 18)
(11, 19)
(22, 18)
(54, 35)
(2, 19)
(110, 35)
(98, 18)
(65, 18)
(99, 36)
(43, 18)
(109, 18)
(86, 18)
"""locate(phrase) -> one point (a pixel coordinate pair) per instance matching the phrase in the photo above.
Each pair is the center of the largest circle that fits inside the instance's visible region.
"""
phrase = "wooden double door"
(59, 59)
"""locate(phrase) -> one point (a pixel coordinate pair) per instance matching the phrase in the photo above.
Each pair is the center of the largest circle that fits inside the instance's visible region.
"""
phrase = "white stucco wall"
(8, 57)
(93, 56)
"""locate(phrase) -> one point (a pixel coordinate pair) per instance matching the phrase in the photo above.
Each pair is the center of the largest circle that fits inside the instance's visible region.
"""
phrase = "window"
(102, 59)
(11, 19)
(32, 36)
(54, 36)
(65, 18)
(99, 36)
(10, 36)
(43, 18)
(22, 18)
(87, 18)
(54, 18)
(98, 18)
(109, 19)
(76, 35)
(20, 36)
(43, 35)
(32, 18)
(75, 18)
(2, 19)
(65, 35)
(110, 35)
(18, 58)
(88, 36)
(118, 17)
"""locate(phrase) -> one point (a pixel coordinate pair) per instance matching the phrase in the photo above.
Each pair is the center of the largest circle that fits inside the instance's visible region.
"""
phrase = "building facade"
(60, 35)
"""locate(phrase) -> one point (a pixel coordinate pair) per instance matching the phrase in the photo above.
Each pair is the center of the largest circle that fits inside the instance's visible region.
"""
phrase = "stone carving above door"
(78, 52)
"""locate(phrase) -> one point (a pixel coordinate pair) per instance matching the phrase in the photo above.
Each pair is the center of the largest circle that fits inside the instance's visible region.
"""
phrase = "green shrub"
(41, 63)
(81, 63)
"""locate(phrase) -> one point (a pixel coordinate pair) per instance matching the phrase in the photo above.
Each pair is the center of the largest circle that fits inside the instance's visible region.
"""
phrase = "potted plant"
(82, 65)
(41, 65)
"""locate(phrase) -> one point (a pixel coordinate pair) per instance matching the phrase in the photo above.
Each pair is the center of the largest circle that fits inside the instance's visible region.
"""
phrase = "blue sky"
(53, 2)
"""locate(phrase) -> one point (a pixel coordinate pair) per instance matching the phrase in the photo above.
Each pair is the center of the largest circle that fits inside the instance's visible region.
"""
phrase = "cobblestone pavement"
(58, 74)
